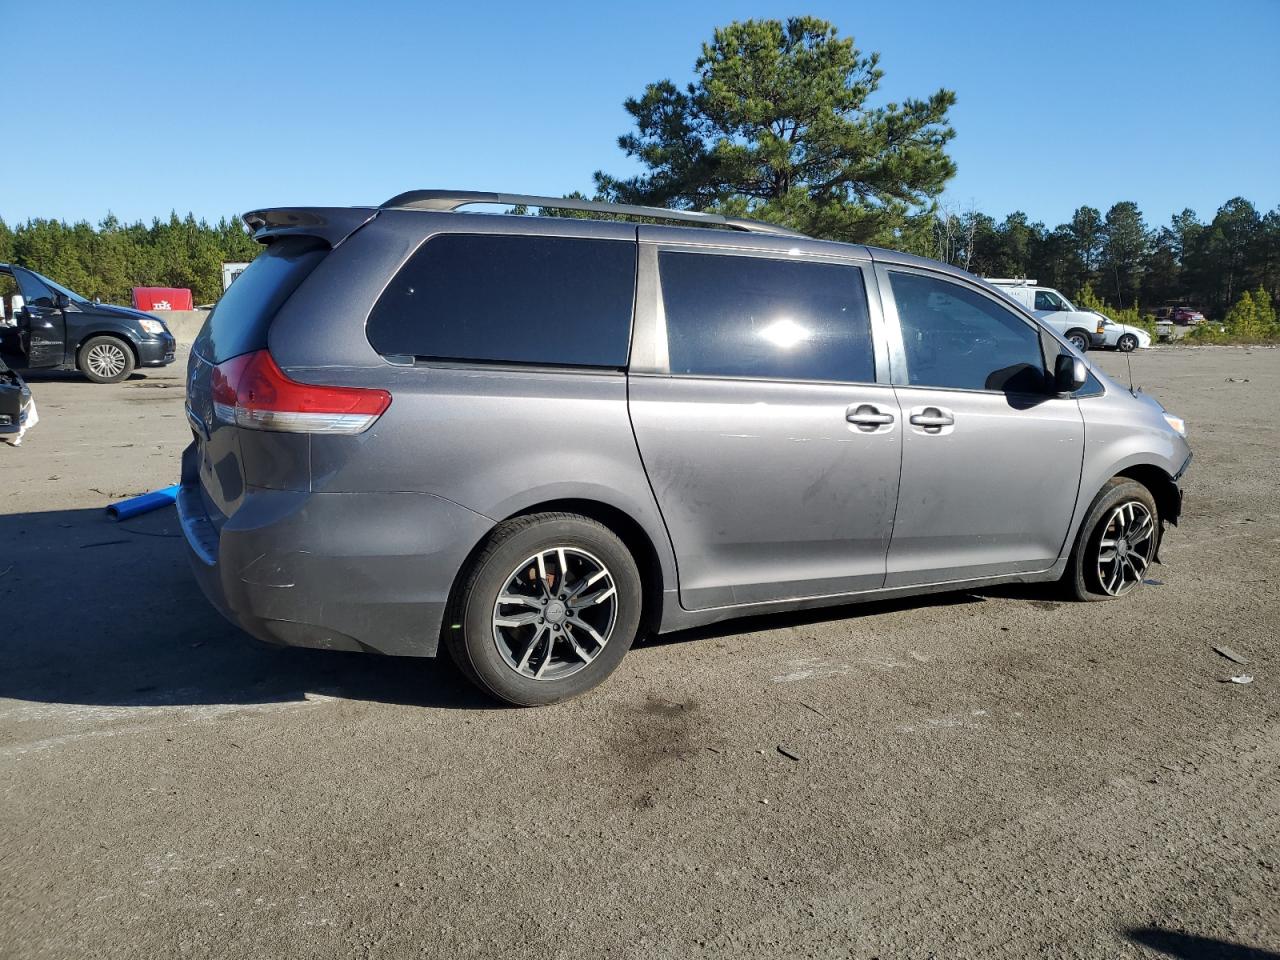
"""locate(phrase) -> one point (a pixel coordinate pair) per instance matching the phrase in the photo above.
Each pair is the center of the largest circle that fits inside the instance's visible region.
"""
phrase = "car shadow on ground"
(107, 614)
(1187, 946)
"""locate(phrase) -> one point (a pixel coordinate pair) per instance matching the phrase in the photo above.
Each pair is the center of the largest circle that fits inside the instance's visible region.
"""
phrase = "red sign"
(162, 298)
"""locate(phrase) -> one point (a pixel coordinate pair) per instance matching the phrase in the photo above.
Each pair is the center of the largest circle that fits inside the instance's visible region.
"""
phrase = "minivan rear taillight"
(252, 391)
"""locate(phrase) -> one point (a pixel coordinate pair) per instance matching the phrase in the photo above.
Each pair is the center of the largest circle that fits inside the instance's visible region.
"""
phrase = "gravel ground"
(968, 775)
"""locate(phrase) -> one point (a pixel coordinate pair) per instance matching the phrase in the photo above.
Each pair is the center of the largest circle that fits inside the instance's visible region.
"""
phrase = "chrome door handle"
(933, 419)
(868, 417)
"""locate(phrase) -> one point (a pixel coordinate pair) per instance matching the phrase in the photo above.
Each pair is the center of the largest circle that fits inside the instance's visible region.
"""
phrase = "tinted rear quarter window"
(241, 319)
(741, 316)
(553, 301)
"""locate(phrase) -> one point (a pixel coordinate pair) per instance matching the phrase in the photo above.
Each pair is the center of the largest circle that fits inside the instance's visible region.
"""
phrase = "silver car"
(532, 439)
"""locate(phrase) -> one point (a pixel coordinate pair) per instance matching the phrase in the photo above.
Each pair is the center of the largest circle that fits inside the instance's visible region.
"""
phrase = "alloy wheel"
(1126, 548)
(1079, 342)
(106, 360)
(1127, 343)
(555, 613)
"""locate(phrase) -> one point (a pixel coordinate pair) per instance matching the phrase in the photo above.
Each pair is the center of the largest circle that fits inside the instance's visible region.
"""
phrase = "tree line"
(108, 260)
(1126, 263)
(1206, 264)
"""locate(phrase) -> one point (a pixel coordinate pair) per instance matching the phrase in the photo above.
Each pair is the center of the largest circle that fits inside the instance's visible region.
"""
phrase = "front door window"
(957, 338)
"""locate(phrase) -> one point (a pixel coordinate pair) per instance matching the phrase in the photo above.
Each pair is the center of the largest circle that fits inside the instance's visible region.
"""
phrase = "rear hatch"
(238, 327)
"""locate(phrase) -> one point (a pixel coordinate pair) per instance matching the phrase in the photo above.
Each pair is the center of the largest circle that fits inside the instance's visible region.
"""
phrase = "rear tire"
(1116, 544)
(1080, 339)
(572, 609)
(105, 359)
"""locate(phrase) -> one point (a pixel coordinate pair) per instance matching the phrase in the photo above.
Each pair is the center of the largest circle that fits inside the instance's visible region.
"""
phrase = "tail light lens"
(252, 391)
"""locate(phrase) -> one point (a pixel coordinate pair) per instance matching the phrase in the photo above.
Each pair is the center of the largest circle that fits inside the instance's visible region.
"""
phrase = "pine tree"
(1242, 319)
(777, 125)
(1265, 312)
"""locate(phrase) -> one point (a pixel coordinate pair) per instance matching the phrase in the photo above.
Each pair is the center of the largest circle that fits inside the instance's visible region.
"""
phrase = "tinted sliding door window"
(957, 338)
(554, 301)
(732, 316)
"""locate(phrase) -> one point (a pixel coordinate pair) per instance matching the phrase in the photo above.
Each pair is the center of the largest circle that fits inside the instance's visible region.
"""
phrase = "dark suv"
(57, 329)
(533, 438)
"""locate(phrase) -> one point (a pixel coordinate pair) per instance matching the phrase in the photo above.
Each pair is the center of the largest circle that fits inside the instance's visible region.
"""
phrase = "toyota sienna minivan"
(533, 438)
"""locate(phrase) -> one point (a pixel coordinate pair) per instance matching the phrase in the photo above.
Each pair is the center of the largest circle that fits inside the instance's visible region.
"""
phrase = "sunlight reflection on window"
(785, 333)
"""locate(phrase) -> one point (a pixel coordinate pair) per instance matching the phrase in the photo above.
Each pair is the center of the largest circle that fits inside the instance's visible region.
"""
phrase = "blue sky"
(140, 108)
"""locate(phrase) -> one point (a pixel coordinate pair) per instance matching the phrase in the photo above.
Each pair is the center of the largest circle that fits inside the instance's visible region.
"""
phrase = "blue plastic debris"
(148, 501)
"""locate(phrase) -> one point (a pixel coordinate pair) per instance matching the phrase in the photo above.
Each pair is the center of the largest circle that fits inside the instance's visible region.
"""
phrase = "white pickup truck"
(1084, 328)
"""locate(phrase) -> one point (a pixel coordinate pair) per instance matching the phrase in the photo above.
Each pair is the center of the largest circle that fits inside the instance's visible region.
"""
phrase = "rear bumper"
(342, 571)
(158, 352)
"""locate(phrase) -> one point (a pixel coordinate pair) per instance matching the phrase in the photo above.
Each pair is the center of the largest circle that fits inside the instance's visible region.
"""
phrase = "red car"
(1185, 316)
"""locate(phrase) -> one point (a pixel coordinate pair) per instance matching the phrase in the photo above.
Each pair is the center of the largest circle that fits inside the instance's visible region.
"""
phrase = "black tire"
(1081, 576)
(1080, 339)
(1127, 343)
(105, 359)
(471, 635)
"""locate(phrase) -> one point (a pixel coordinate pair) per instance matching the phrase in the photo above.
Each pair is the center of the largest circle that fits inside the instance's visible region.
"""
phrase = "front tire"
(1127, 344)
(105, 359)
(546, 611)
(1079, 339)
(1117, 542)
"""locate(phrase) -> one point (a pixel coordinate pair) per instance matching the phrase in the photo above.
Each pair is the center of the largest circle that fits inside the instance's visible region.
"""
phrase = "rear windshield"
(557, 301)
(239, 322)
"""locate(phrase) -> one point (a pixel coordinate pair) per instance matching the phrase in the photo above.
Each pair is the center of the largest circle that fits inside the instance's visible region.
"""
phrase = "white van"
(1078, 326)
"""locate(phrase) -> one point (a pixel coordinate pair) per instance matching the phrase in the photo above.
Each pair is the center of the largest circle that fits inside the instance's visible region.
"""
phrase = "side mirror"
(61, 301)
(1069, 373)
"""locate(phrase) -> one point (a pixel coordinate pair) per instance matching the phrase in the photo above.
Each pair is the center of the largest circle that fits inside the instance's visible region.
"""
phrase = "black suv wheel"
(105, 359)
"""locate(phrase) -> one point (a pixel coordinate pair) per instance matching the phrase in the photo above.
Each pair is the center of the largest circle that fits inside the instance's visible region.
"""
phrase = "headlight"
(1177, 423)
(151, 326)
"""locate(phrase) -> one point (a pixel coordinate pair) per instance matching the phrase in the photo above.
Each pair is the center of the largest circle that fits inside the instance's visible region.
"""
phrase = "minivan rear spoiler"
(330, 224)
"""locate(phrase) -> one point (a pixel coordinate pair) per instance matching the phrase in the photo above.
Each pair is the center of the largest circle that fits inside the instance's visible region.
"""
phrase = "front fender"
(100, 326)
(1126, 435)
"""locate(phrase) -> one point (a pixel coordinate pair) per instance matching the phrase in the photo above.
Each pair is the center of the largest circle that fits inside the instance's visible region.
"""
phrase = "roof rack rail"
(449, 200)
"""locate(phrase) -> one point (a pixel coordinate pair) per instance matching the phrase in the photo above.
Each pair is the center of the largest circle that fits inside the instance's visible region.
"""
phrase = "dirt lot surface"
(965, 776)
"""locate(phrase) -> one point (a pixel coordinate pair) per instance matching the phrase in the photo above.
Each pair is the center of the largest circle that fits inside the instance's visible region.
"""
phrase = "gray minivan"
(534, 438)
